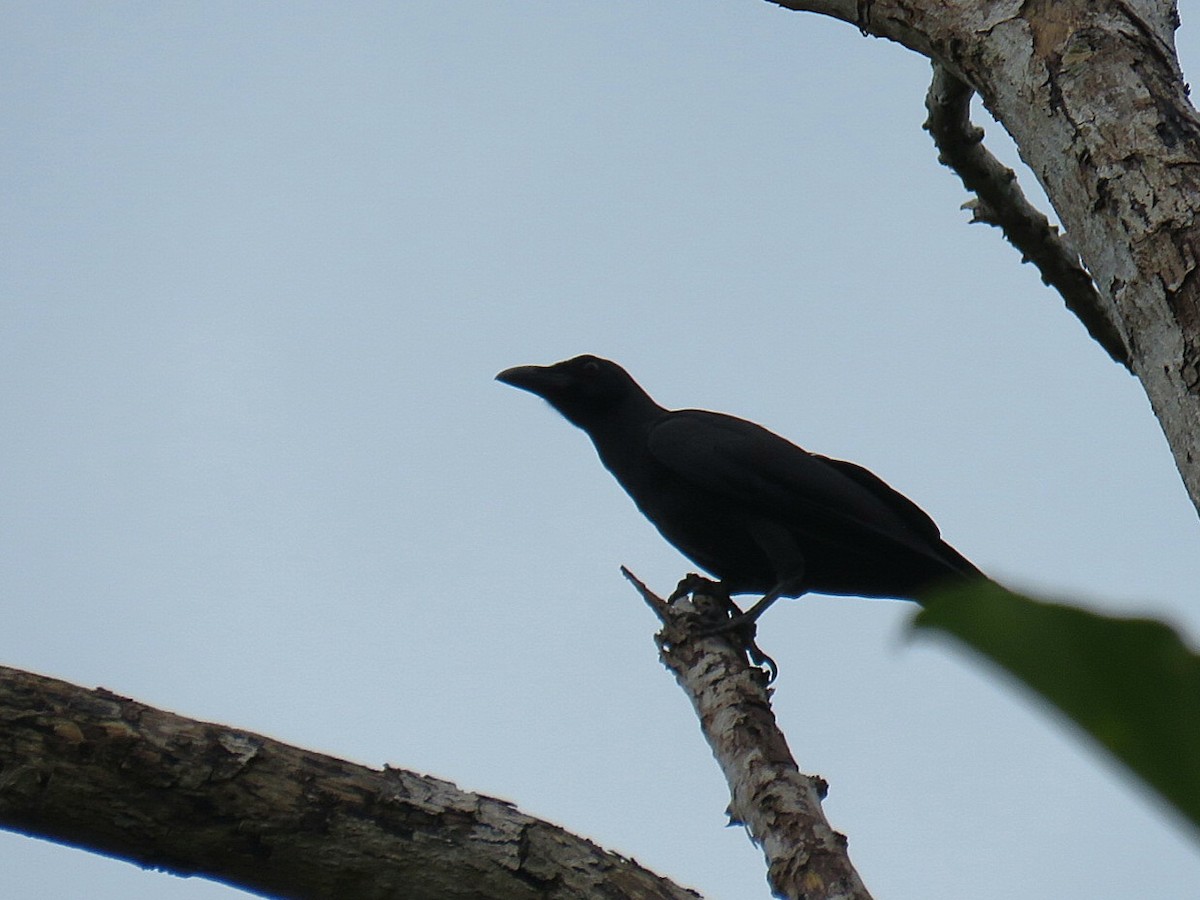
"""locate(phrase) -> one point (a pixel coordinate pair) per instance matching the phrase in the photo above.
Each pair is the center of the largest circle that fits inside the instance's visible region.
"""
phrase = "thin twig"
(1001, 202)
(778, 804)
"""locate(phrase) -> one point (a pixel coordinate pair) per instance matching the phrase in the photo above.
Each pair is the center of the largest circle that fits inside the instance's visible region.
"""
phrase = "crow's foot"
(741, 632)
(691, 583)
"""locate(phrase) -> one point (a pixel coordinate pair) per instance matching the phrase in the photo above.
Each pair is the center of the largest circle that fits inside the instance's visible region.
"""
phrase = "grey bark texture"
(1093, 95)
(98, 771)
(779, 805)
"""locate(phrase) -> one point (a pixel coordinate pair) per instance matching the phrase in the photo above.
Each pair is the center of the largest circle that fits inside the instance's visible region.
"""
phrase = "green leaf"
(1132, 684)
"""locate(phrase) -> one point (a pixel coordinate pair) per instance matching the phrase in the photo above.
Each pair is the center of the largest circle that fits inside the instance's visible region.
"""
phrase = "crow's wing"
(916, 517)
(758, 470)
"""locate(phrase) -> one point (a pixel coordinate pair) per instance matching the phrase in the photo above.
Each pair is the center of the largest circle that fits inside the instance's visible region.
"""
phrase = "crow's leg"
(729, 613)
(744, 624)
(789, 587)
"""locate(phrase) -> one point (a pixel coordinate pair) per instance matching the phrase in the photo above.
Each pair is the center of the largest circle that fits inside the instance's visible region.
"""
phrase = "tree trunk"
(1093, 95)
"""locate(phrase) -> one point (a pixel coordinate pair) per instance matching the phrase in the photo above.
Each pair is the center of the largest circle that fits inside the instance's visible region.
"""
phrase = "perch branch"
(781, 806)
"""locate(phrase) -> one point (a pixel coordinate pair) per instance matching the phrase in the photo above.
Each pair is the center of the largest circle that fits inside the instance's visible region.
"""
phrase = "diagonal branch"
(1001, 202)
(108, 774)
(778, 804)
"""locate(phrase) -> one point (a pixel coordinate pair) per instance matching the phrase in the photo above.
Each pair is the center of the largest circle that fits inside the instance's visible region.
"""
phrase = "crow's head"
(583, 389)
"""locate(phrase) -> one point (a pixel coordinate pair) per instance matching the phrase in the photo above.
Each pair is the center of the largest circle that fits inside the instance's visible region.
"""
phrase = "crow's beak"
(539, 380)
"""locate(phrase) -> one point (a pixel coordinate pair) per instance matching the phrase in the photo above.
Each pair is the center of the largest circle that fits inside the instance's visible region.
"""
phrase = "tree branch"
(778, 804)
(108, 774)
(1001, 202)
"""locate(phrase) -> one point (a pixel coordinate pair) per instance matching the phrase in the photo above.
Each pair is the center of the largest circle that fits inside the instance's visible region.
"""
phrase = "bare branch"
(108, 774)
(1001, 202)
(778, 804)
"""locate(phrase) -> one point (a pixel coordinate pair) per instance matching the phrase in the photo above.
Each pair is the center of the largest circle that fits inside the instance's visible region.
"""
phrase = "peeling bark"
(779, 805)
(1093, 95)
(111, 775)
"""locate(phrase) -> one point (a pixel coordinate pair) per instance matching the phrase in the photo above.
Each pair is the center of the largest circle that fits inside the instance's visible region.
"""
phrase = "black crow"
(754, 510)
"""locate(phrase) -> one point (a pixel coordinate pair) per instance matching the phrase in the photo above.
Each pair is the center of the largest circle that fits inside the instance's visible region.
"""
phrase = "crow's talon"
(766, 665)
(692, 583)
(735, 623)
(740, 632)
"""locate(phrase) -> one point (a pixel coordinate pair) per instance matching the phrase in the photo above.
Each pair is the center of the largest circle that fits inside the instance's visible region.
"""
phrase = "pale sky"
(261, 263)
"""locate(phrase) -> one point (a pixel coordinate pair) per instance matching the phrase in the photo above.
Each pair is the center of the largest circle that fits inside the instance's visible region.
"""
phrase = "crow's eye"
(591, 367)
